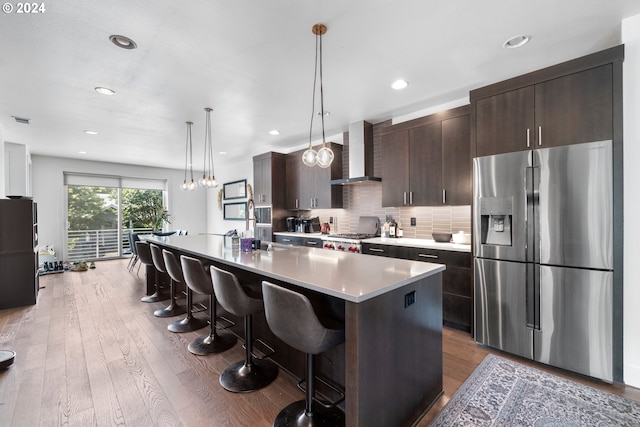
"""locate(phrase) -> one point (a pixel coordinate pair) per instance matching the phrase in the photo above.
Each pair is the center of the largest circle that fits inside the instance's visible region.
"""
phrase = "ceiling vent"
(22, 120)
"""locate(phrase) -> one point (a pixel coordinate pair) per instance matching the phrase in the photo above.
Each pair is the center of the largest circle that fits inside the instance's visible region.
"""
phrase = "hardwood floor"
(90, 353)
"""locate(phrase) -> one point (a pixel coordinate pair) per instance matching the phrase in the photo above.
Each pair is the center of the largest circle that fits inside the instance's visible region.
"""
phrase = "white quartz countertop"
(419, 243)
(352, 277)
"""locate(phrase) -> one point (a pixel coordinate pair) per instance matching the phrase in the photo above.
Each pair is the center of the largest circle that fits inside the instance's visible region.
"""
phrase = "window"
(103, 210)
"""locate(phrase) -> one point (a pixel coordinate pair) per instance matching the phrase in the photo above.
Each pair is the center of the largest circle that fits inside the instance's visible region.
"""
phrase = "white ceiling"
(252, 61)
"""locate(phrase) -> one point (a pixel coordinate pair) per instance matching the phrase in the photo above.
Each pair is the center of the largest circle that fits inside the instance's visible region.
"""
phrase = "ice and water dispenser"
(496, 214)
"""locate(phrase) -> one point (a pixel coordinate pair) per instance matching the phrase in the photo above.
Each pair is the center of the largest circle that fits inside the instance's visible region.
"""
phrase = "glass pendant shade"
(324, 157)
(310, 157)
(188, 184)
(208, 179)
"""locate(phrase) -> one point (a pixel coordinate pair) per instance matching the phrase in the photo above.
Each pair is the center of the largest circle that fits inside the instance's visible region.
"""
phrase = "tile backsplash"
(366, 199)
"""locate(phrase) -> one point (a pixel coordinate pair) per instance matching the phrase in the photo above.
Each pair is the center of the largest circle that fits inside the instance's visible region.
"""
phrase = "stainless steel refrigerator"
(543, 255)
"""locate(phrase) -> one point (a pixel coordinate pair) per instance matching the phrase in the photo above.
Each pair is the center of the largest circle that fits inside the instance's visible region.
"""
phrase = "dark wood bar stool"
(199, 281)
(189, 323)
(292, 319)
(249, 374)
(144, 256)
(173, 309)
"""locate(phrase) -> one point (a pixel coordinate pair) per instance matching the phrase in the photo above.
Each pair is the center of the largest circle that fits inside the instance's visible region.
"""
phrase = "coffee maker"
(292, 224)
(311, 225)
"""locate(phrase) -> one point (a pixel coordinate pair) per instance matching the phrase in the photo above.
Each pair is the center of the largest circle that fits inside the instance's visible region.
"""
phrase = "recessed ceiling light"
(516, 41)
(123, 42)
(105, 91)
(274, 132)
(399, 84)
(82, 152)
(91, 132)
(222, 152)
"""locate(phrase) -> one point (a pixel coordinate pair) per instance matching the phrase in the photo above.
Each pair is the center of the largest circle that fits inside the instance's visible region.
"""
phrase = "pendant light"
(324, 156)
(208, 179)
(188, 162)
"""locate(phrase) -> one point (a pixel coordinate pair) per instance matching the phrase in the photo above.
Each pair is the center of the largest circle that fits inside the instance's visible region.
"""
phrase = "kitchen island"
(391, 362)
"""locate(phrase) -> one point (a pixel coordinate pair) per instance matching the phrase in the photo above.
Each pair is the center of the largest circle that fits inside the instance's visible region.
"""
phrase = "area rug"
(505, 393)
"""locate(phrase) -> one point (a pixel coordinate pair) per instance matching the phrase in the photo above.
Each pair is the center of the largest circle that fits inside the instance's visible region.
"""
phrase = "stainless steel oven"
(368, 226)
(344, 242)
(263, 215)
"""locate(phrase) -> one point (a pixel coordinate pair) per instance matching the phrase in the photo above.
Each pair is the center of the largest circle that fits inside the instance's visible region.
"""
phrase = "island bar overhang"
(391, 362)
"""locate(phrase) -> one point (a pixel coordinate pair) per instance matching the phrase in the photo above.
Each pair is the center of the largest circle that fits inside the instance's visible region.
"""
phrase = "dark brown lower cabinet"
(287, 240)
(312, 242)
(457, 298)
(391, 251)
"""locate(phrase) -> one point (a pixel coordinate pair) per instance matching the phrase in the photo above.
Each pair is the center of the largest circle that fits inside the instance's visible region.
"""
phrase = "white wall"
(631, 94)
(188, 210)
(17, 177)
(227, 172)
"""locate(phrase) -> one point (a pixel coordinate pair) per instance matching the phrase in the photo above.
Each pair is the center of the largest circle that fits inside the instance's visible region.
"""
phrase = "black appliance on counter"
(292, 224)
(310, 225)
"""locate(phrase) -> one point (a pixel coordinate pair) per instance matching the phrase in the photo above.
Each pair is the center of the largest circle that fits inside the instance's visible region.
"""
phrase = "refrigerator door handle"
(533, 296)
(531, 193)
(529, 297)
(535, 218)
(536, 296)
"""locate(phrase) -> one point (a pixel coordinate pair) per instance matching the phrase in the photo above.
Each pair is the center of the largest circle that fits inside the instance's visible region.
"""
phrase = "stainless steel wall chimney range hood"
(360, 155)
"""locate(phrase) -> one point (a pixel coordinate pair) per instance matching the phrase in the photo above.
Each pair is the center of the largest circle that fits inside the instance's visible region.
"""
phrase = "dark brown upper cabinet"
(569, 103)
(411, 166)
(426, 162)
(395, 168)
(575, 108)
(268, 179)
(293, 181)
(504, 122)
(425, 165)
(456, 161)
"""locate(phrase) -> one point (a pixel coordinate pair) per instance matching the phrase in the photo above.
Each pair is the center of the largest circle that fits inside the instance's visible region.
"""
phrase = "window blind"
(114, 181)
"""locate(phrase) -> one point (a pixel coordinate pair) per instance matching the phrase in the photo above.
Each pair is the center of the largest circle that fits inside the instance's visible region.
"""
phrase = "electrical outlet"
(409, 299)
(413, 222)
